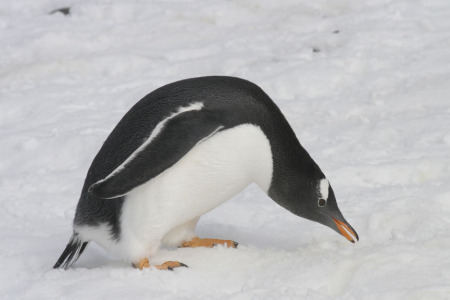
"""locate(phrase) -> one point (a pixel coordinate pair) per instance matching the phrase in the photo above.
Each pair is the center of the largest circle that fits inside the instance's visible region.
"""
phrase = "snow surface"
(365, 85)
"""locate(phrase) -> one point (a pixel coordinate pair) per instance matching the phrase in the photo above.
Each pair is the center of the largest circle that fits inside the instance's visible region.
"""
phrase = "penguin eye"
(321, 202)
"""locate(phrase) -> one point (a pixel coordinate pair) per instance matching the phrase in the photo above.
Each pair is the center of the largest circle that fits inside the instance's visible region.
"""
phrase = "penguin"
(183, 150)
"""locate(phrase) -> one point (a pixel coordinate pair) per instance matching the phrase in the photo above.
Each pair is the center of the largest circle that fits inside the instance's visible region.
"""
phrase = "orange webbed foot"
(168, 265)
(198, 242)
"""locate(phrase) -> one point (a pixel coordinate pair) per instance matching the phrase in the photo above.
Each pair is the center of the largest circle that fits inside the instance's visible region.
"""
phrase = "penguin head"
(313, 198)
(321, 206)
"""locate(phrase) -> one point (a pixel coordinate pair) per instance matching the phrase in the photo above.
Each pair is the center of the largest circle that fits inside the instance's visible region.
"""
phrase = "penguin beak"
(346, 230)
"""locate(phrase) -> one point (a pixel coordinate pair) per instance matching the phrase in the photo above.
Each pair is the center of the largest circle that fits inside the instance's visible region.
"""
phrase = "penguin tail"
(73, 250)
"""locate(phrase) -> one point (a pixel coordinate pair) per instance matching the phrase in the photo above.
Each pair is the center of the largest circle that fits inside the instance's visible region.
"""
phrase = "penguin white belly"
(215, 170)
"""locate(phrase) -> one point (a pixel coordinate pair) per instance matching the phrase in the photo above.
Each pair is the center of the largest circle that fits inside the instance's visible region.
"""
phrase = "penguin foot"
(198, 242)
(168, 265)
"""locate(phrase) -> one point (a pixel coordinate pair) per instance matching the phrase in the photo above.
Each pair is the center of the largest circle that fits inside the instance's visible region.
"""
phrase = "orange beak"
(346, 231)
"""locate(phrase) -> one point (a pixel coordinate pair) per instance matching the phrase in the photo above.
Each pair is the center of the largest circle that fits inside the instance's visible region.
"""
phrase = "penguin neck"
(294, 171)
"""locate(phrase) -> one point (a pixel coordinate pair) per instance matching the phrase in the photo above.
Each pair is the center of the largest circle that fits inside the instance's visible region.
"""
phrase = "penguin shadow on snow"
(263, 230)
(96, 257)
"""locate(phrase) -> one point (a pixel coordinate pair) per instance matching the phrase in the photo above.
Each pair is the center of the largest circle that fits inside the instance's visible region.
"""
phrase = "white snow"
(365, 85)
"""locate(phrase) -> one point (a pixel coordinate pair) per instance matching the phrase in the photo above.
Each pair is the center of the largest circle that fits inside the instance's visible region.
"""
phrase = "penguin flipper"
(176, 138)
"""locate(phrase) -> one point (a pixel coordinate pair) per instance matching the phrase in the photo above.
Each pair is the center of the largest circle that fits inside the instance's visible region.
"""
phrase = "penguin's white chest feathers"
(215, 170)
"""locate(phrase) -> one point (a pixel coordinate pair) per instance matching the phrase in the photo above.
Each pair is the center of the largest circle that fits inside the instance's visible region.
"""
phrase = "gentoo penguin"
(181, 151)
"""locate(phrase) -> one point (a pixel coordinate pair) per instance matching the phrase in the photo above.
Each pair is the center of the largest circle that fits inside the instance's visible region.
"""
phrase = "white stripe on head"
(158, 128)
(324, 185)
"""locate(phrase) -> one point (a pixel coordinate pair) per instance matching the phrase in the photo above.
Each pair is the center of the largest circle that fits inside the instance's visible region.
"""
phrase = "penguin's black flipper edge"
(176, 138)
